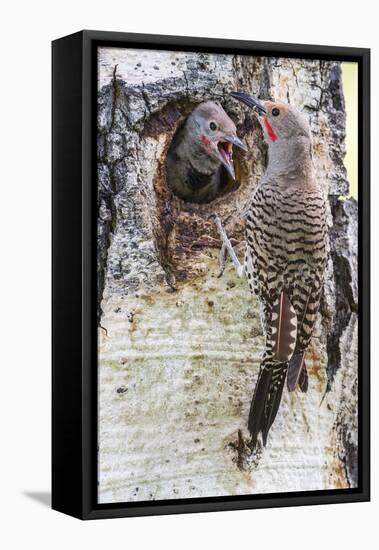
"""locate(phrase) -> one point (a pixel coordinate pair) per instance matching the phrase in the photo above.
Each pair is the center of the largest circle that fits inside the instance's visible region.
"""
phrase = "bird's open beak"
(225, 151)
(250, 101)
(234, 140)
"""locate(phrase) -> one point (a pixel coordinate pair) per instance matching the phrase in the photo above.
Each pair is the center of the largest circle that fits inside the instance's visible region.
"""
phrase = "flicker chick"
(198, 153)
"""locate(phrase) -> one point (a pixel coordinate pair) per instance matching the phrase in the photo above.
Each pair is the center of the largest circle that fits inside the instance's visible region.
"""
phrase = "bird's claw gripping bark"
(227, 248)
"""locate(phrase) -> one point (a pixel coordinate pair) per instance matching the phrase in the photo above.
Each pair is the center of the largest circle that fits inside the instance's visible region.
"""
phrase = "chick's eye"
(213, 126)
(275, 111)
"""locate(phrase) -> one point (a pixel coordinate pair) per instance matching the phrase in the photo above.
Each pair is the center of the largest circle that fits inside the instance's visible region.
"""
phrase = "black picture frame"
(74, 369)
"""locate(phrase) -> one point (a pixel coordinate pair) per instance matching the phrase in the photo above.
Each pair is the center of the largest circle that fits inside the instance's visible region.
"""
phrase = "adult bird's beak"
(250, 101)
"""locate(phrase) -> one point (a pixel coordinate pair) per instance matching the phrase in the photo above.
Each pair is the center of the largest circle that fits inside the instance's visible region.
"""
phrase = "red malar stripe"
(270, 131)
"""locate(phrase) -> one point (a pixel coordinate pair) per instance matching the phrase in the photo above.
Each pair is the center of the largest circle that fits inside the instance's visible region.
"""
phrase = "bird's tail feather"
(303, 379)
(266, 400)
(297, 372)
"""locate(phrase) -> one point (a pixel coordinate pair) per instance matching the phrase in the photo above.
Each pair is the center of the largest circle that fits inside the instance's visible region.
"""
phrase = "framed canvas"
(210, 275)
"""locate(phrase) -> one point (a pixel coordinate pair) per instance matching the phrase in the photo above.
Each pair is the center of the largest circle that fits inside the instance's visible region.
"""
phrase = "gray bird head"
(288, 135)
(279, 121)
(214, 134)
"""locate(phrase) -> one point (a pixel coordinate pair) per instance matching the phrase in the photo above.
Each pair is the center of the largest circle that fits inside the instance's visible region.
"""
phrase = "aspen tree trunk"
(179, 347)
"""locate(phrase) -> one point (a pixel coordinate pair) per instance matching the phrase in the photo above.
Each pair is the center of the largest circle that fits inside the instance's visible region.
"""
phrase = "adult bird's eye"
(275, 111)
(213, 126)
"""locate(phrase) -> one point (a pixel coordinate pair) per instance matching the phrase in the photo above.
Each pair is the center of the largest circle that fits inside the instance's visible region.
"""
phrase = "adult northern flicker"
(286, 254)
(199, 150)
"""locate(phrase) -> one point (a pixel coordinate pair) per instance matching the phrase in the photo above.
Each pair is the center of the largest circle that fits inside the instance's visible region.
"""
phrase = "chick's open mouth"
(225, 150)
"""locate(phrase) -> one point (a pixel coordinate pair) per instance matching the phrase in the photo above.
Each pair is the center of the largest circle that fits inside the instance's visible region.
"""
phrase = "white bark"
(179, 349)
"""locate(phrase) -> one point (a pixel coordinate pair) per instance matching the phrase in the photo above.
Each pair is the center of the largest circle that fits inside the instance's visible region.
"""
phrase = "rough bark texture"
(179, 348)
